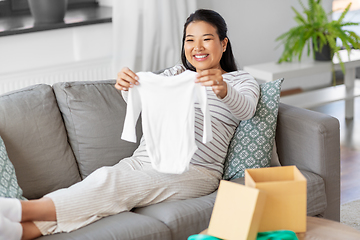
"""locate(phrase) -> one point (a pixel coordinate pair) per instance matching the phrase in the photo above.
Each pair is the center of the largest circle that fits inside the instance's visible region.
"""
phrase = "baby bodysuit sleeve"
(125, 94)
(203, 101)
(133, 110)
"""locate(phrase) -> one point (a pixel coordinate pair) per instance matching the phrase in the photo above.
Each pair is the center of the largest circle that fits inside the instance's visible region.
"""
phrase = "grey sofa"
(55, 136)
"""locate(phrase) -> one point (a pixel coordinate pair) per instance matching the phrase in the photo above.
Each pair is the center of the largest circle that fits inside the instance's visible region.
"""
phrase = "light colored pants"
(128, 184)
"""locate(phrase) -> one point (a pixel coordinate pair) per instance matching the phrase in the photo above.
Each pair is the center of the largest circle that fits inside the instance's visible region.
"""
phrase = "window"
(14, 7)
(340, 5)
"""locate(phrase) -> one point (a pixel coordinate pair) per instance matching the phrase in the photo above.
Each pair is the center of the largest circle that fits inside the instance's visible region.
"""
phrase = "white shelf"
(272, 70)
(321, 96)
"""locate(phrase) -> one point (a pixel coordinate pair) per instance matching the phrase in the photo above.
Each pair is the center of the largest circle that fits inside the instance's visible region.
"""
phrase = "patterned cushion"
(253, 140)
(8, 182)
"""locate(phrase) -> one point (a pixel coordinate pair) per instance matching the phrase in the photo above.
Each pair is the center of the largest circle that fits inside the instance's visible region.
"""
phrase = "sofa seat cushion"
(124, 226)
(94, 114)
(185, 217)
(36, 141)
(316, 196)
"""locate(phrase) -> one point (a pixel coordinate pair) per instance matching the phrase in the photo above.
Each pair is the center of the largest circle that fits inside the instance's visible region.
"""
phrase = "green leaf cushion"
(9, 186)
(253, 140)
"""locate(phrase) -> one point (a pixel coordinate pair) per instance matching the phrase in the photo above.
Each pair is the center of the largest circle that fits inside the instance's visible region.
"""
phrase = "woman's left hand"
(213, 78)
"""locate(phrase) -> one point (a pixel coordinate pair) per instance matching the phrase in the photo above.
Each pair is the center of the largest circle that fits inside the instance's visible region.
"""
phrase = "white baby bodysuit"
(168, 118)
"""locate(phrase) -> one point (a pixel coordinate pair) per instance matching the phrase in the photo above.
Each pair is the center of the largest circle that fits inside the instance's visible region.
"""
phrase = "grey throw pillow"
(36, 141)
(253, 140)
(94, 113)
(9, 186)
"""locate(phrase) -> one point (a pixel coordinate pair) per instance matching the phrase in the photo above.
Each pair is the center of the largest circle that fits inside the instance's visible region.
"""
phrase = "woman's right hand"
(126, 79)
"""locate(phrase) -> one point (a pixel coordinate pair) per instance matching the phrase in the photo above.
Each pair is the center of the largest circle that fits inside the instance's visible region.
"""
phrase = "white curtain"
(148, 33)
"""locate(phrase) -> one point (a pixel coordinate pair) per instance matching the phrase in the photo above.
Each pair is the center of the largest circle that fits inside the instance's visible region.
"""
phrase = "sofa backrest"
(94, 114)
(36, 141)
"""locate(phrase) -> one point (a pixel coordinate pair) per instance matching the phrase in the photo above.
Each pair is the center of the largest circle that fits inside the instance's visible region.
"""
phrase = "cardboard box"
(237, 212)
(285, 187)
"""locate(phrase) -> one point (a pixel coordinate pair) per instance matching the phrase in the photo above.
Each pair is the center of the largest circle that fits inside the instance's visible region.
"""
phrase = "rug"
(350, 214)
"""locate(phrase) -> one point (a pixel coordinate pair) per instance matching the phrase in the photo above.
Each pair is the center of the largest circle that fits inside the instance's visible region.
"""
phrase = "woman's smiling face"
(202, 46)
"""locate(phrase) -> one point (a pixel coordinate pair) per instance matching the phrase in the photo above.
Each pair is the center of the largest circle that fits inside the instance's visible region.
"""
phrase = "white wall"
(70, 54)
(253, 27)
(48, 48)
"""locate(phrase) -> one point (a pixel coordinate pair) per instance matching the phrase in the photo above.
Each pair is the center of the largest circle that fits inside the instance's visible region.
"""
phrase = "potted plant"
(315, 31)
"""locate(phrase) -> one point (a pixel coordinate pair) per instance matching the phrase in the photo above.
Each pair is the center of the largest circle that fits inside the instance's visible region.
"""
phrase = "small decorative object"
(315, 29)
(48, 11)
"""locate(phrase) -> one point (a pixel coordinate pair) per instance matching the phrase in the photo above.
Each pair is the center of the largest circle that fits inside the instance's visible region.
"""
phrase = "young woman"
(232, 97)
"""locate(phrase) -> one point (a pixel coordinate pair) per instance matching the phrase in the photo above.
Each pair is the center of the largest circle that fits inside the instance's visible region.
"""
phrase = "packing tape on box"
(270, 235)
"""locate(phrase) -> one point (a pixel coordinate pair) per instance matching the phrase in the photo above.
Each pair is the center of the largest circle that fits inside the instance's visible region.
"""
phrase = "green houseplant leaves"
(314, 30)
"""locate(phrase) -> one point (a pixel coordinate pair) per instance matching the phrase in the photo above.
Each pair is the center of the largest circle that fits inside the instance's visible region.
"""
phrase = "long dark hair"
(227, 61)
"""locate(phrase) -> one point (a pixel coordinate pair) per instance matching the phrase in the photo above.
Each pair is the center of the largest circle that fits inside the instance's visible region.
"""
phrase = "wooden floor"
(350, 148)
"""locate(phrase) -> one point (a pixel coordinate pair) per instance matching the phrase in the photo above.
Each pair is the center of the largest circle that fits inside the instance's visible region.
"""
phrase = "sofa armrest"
(311, 141)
